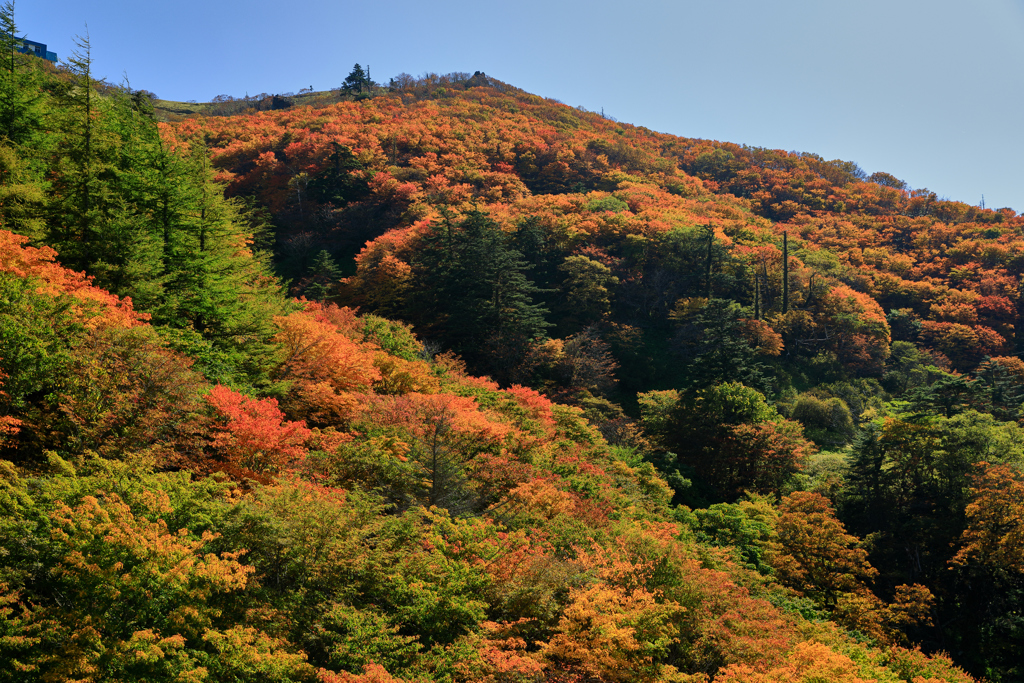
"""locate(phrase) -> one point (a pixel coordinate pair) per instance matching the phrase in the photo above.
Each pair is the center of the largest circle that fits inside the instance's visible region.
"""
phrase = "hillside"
(561, 399)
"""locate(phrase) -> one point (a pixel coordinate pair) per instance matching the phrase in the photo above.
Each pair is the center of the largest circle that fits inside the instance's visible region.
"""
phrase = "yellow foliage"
(807, 663)
(614, 632)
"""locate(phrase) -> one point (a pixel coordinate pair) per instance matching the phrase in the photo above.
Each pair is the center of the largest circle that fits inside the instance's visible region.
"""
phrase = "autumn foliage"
(552, 398)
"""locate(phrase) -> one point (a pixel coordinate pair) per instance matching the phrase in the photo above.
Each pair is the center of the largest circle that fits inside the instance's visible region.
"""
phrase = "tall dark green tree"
(357, 81)
(149, 222)
(716, 351)
(342, 181)
(82, 167)
(20, 97)
(220, 293)
(130, 256)
(473, 284)
(324, 274)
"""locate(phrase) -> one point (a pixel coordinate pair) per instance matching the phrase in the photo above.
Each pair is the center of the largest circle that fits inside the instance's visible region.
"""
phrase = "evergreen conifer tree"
(81, 167)
(20, 118)
(356, 81)
(221, 295)
(717, 350)
(324, 275)
(474, 284)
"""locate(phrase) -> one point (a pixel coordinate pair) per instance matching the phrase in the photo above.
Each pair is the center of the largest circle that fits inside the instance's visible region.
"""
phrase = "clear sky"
(931, 91)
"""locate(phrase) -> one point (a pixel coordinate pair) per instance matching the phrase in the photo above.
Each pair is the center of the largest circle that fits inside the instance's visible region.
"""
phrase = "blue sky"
(931, 91)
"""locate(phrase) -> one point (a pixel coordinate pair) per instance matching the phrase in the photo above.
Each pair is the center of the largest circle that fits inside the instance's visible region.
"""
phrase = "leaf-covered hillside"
(389, 519)
(636, 275)
(635, 202)
(549, 407)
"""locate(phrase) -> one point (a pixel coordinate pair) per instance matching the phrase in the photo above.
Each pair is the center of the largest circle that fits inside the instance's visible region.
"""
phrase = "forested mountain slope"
(709, 368)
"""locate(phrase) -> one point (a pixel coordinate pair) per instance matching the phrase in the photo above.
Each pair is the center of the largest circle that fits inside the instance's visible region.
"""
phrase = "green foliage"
(21, 111)
(143, 219)
(357, 81)
(748, 526)
(910, 480)
(344, 180)
(473, 286)
(378, 464)
(718, 164)
(22, 199)
(715, 349)
(394, 337)
(36, 334)
(116, 593)
(949, 395)
(324, 274)
(907, 368)
(729, 435)
(827, 422)
(586, 290)
(609, 203)
(354, 638)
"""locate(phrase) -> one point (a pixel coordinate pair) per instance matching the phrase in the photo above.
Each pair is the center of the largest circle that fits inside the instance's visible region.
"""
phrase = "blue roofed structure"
(31, 47)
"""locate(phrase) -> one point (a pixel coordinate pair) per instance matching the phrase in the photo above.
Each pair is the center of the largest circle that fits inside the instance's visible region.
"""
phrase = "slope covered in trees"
(711, 372)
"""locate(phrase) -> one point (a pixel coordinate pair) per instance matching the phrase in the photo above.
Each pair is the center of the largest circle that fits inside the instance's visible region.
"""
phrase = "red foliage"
(253, 435)
(964, 345)
(98, 308)
(538, 406)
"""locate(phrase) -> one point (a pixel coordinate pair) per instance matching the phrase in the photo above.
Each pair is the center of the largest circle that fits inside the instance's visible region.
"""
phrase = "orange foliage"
(399, 376)
(127, 392)
(329, 369)
(762, 337)
(814, 554)
(807, 663)
(372, 673)
(383, 274)
(505, 656)
(537, 405)
(253, 435)
(614, 632)
(97, 307)
(520, 155)
(964, 345)
(341, 317)
(1013, 365)
(542, 499)
(995, 520)
(423, 413)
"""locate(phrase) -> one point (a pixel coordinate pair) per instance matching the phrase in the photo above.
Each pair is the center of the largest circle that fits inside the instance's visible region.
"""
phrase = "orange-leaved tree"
(252, 436)
(329, 369)
(814, 554)
(994, 536)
